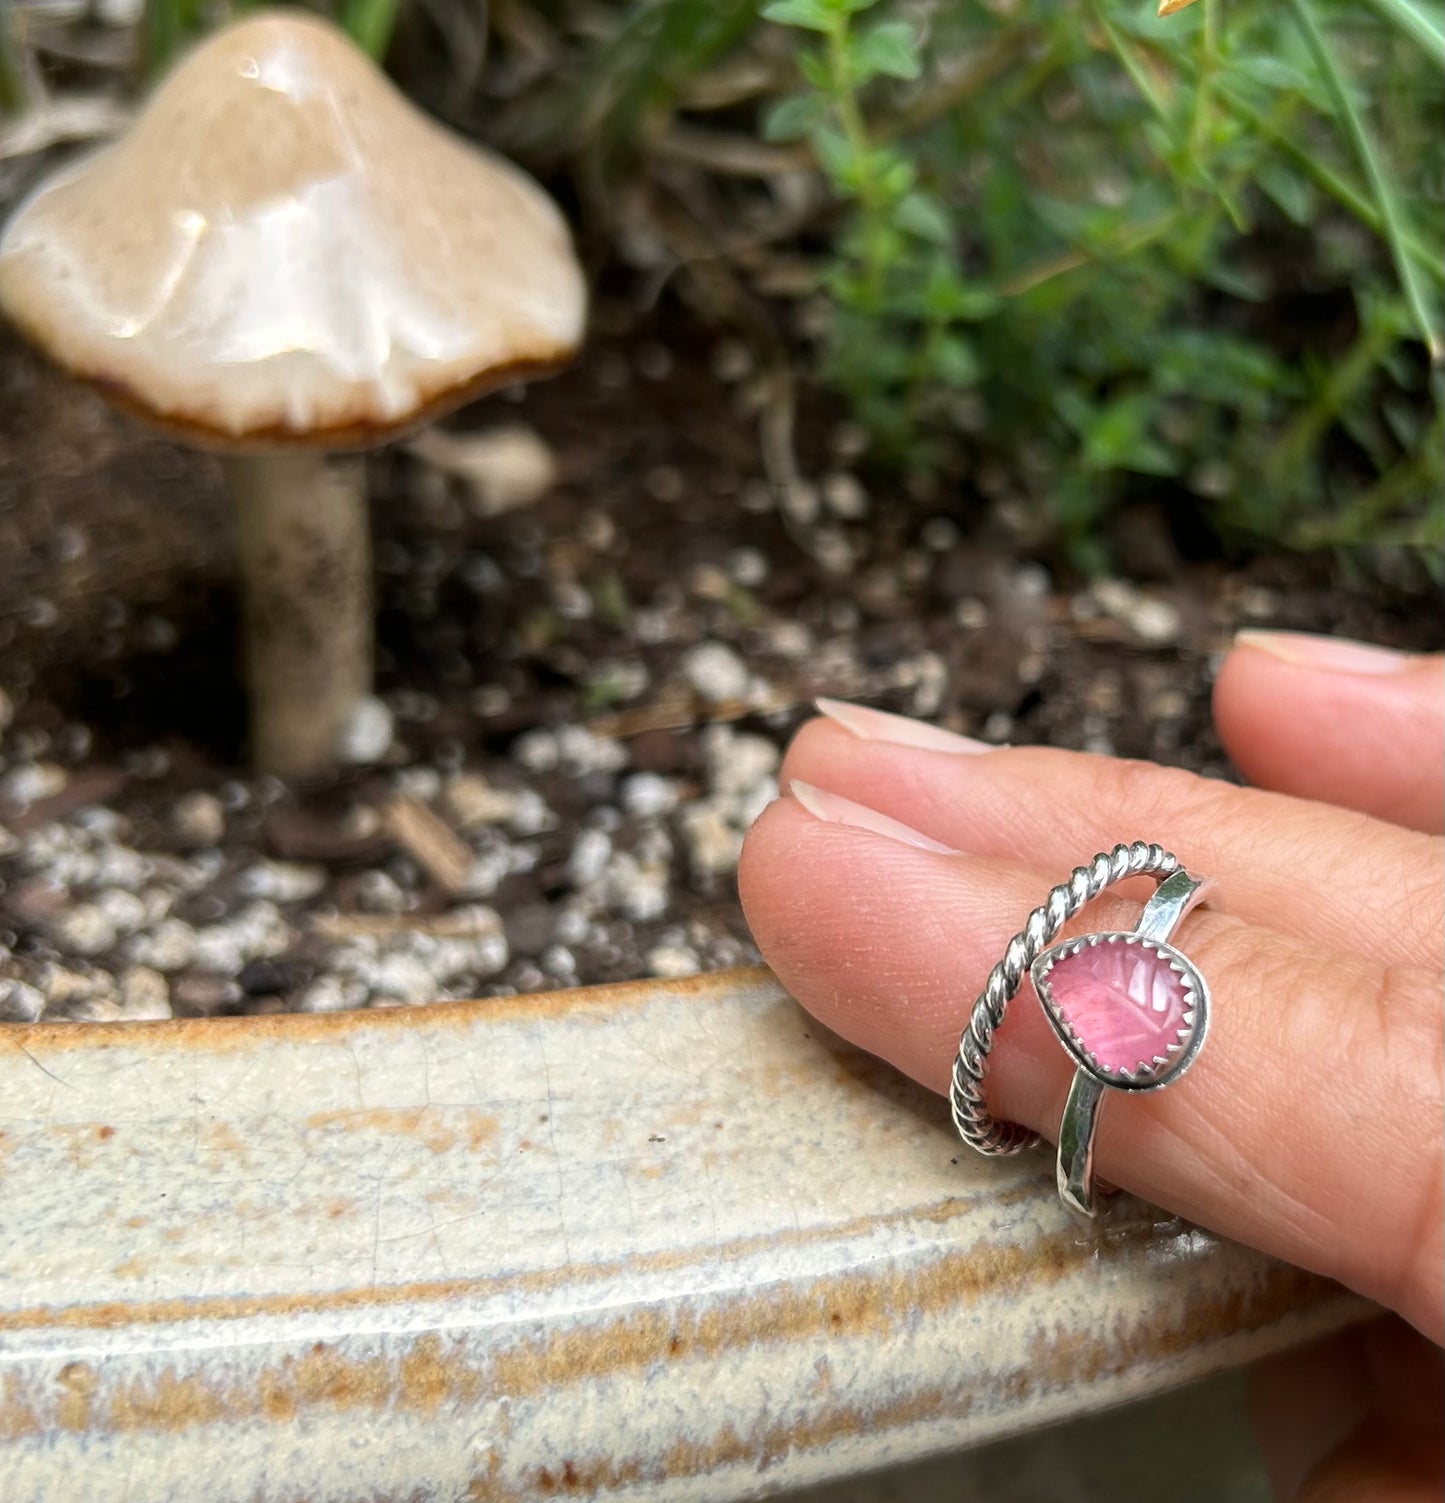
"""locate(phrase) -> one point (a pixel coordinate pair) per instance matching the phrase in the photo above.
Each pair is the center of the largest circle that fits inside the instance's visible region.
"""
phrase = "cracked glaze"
(667, 1241)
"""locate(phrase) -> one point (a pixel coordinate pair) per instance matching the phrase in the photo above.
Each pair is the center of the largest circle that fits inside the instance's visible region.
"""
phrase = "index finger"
(1299, 867)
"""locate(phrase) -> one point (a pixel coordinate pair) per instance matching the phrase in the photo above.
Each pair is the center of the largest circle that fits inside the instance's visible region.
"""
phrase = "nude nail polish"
(834, 809)
(898, 730)
(1330, 654)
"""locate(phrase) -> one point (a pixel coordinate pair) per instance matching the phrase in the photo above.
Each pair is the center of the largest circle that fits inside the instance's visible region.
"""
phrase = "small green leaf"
(921, 214)
(954, 361)
(1291, 191)
(835, 155)
(889, 49)
(814, 68)
(811, 15)
(792, 119)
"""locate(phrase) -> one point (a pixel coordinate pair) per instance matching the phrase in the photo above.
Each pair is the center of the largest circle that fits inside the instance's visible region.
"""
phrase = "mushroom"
(283, 260)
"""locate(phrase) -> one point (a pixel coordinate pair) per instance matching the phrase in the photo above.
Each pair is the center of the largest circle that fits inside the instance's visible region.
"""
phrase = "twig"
(729, 154)
(1417, 24)
(438, 849)
(80, 117)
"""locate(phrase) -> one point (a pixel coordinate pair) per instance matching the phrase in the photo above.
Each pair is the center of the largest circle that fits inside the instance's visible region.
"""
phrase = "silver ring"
(1145, 1045)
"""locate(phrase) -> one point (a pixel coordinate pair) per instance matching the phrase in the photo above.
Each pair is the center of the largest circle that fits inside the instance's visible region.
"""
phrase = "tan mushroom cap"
(284, 249)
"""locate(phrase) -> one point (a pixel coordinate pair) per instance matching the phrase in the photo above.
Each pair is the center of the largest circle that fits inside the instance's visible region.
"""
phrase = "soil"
(589, 694)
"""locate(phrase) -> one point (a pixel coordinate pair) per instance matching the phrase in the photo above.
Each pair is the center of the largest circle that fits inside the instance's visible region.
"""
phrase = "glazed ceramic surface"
(657, 1242)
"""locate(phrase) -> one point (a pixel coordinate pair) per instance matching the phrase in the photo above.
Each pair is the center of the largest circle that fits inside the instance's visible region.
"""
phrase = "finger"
(1310, 1128)
(1280, 863)
(1326, 719)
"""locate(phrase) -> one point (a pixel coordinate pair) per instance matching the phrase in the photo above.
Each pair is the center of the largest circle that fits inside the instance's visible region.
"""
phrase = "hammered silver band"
(977, 1128)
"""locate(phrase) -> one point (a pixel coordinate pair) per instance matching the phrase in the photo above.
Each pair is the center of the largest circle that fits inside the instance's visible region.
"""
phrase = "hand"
(886, 883)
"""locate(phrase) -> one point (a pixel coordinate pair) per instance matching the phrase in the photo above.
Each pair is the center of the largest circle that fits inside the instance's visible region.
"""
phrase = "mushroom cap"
(282, 249)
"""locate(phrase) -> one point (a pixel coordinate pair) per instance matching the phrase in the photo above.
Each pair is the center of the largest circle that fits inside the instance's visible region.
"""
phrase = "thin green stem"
(1325, 177)
(1414, 478)
(1131, 64)
(1391, 226)
(855, 129)
(1208, 66)
(1417, 23)
(1343, 380)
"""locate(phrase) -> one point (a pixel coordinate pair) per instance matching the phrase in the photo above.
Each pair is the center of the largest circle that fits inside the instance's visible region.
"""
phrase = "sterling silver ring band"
(1143, 1045)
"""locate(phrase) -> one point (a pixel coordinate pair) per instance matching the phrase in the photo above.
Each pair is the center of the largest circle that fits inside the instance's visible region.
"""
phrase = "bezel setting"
(1148, 1075)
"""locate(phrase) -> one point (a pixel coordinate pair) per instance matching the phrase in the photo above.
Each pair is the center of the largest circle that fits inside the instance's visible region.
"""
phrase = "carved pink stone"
(1124, 1003)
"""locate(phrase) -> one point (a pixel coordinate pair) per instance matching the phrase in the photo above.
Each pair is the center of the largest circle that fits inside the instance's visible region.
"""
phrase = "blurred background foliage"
(1064, 252)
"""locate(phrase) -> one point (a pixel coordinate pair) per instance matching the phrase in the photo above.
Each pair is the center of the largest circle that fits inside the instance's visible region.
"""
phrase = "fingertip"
(816, 744)
(1345, 723)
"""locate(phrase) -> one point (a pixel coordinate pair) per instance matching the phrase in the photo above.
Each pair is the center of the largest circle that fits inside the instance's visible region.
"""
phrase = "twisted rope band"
(965, 1097)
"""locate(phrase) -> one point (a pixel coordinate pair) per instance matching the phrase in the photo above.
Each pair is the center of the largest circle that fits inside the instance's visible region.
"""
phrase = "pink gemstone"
(1125, 1004)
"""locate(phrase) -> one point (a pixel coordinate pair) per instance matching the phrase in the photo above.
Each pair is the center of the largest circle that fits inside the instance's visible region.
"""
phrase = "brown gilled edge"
(358, 436)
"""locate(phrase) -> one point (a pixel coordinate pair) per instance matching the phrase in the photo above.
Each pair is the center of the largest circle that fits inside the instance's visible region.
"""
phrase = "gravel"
(590, 694)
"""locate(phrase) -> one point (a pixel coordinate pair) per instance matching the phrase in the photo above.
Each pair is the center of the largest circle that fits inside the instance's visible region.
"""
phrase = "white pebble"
(530, 814)
(736, 762)
(20, 1002)
(330, 994)
(199, 819)
(536, 751)
(571, 927)
(715, 672)
(713, 843)
(559, 961)
(144, 995)
(845, 497)
(282, 881)
(405, 978)
(367, 734)
(85, 930)
(119, 866)
(638, 892)
(672, 962)
(590, 854)
(748, 567)
(581, 752)
(124, 911)
(33, 782)
(647, 796)
(169, 946)
(1157, 622)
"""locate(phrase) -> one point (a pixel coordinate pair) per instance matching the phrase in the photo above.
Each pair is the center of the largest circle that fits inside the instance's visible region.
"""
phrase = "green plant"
(170, 25)
(1100, 240)
(903, 303)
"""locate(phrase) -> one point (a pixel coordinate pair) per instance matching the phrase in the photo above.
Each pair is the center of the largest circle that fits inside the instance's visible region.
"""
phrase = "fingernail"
(834, 809)
(879, 725)
(1331, 654)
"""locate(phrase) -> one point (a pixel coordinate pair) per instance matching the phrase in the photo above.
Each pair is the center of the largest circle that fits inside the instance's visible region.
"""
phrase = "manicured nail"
(1332, 654)
(834, 809)
(879, 725)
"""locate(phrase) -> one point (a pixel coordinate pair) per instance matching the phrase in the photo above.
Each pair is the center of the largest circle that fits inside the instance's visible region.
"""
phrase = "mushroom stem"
(304, 555)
